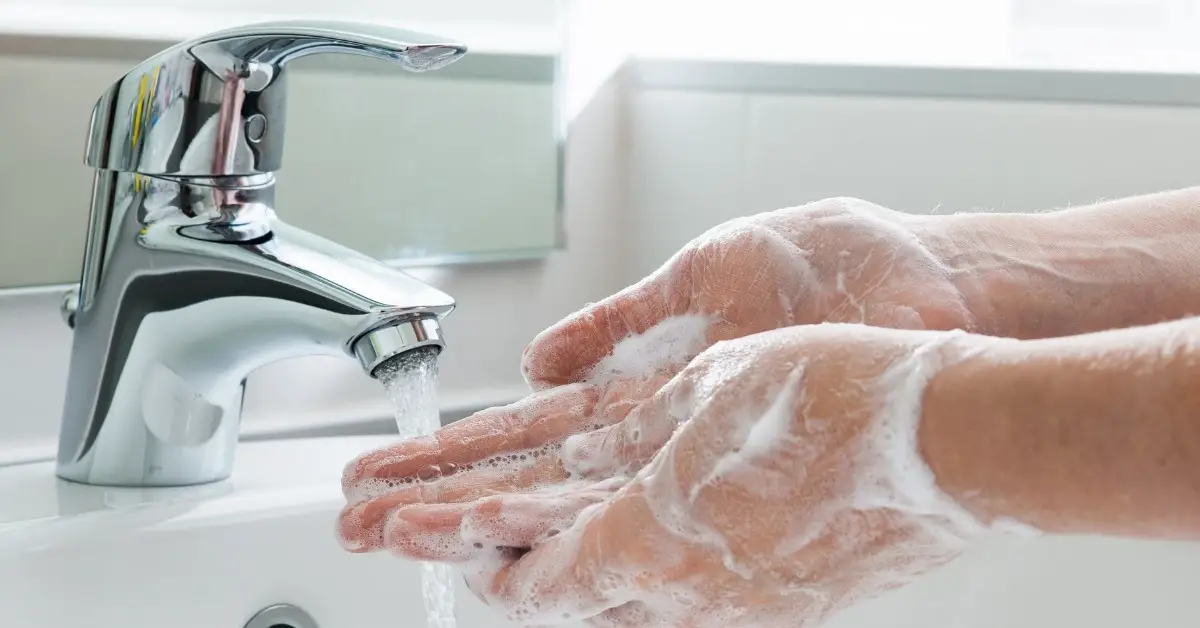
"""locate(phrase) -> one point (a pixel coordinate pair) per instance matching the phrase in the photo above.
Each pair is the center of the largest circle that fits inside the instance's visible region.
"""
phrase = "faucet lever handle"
(215, 106)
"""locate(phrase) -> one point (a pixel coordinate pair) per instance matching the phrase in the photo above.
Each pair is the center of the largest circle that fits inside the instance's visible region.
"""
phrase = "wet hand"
(774, 481)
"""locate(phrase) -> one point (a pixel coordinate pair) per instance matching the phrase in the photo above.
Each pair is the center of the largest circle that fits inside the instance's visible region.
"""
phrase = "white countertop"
(36, 506)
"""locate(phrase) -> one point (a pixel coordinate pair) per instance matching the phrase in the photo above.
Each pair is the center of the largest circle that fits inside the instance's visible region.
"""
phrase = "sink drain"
(282, 616)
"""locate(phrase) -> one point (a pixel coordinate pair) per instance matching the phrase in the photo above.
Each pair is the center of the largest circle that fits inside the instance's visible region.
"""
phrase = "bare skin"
(1120, 263)
(1096, 433)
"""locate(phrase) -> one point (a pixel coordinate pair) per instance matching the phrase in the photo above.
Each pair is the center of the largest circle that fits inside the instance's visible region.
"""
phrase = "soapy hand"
(838, 260)
(783, 482)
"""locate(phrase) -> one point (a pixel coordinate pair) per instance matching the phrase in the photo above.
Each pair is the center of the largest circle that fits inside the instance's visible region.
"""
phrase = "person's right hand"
(837, 260)
(777, 479)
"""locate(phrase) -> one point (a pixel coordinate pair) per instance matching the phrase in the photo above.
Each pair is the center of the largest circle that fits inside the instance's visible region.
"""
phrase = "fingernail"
(353, 534)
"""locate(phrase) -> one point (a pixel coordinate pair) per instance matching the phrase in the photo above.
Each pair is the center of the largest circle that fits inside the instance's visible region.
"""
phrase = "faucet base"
(162, 433)
(67, 476)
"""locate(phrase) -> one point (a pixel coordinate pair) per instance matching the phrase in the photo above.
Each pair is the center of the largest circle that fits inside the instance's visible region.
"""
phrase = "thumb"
(568, 351)
(625, 447)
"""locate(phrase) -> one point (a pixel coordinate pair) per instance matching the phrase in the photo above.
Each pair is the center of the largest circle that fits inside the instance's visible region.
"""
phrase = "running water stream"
(411, 382)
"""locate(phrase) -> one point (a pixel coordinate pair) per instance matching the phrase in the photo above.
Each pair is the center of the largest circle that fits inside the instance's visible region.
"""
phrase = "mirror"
(457, 165)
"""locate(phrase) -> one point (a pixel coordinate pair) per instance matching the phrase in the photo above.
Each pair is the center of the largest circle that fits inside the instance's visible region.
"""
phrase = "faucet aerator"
(376, 347)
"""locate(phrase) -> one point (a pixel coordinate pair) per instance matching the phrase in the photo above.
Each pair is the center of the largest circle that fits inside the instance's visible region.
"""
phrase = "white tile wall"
(700, 158)
(686, 169)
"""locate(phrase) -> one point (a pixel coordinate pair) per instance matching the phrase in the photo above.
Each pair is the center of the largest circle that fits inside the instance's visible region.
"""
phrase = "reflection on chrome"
(190, 281)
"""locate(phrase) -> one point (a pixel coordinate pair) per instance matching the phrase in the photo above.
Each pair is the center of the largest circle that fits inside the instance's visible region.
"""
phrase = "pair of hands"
(753, 467)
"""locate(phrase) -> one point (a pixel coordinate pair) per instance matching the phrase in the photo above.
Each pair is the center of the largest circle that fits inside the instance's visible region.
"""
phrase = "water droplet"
(429, 473)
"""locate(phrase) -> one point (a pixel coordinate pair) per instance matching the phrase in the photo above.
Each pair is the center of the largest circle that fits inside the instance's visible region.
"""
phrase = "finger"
(624, 448)
(568, 351)
(361, 525)
(525, 426)
(427, 532)
(522, 521)
(457, 532)
(597, 564)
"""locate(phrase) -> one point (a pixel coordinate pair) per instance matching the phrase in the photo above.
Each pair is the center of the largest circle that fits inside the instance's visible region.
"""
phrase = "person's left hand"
(784, 483)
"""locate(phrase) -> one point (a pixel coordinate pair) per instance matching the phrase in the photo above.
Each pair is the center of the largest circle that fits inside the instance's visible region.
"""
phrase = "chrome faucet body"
(190, 281)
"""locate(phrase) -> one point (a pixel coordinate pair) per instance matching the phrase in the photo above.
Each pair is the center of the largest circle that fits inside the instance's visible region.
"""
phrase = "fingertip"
(351, 534)
(361, 524)
(390, 465)
(567, 351)
(564, 353)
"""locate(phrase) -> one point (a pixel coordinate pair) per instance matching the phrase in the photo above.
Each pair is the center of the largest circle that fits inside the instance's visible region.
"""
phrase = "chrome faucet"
(189, 279)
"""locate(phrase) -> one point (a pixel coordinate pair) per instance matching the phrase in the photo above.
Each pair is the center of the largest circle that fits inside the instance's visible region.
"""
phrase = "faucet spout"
(212, 286)
(191, 281)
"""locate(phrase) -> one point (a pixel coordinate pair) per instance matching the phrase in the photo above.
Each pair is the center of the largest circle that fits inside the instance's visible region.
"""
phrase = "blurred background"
(581, 142)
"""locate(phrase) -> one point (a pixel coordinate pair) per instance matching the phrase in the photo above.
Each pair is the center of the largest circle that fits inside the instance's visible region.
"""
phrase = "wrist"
(1090, 434)
(1111, 265)
(989, 257)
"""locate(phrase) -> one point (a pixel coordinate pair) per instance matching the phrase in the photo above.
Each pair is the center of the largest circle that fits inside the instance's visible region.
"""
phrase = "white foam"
(672, 342)
(891, 472)
(771, 442)
(772, 429)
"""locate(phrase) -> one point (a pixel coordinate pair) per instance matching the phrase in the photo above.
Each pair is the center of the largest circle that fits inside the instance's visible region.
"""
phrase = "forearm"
(1122, 263)
(1098, 433)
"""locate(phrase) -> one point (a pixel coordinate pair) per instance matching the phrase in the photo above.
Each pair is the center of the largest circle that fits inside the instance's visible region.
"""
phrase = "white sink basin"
(203, 557)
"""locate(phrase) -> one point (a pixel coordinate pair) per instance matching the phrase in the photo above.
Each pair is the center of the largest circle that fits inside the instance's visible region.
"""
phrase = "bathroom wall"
(699, 157)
